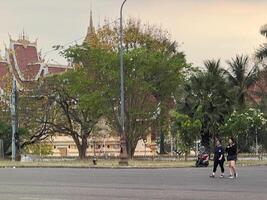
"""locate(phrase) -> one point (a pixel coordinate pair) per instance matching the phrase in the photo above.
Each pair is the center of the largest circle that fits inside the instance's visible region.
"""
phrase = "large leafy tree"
(74, 106)
(165, 75)
(153, 68)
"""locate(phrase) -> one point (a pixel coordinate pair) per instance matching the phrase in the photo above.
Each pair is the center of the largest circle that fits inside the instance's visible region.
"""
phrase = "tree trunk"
(205, 141)
(162, 142)
(186, 156)
(82, 153)
(131, 146)
(81, 146)
(162, 135)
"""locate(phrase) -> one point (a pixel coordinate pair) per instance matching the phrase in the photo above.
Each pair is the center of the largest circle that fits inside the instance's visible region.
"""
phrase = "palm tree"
(214, 68)
(241, 77)
(261, 53)
(208, 97)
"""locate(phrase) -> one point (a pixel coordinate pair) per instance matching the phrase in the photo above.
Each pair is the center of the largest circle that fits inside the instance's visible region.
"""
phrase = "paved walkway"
(105, 184)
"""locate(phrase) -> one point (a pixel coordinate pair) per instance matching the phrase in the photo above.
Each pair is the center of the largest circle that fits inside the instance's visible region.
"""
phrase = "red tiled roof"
(56, 70)
(25, 62)
(31, 71)
(26, 56)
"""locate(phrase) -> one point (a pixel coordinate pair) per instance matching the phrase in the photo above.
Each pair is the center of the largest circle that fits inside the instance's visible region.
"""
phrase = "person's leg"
(234, 168)
(215, 165)
(222, 168)
(230, 168)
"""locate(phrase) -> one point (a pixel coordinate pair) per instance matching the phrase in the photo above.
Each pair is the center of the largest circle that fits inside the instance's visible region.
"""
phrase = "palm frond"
(261, 53)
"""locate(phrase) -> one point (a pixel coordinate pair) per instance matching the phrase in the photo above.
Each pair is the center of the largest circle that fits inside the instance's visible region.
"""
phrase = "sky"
(204, 29)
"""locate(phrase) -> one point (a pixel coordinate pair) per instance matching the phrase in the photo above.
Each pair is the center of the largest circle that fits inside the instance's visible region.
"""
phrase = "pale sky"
(205, 28)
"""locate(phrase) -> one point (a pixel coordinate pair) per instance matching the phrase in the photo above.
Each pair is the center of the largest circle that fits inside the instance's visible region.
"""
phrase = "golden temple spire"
(90, 29)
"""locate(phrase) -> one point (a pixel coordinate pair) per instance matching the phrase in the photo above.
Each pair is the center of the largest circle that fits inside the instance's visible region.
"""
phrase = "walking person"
(231, 151)
(218, 159)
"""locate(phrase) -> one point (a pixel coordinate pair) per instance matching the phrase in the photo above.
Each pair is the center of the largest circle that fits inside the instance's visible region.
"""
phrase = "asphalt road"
(101, 184)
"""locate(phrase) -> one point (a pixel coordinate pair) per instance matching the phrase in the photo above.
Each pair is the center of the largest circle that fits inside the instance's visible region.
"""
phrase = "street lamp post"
(257, 151)
(94, 158)
(14, 120)
(123, 150)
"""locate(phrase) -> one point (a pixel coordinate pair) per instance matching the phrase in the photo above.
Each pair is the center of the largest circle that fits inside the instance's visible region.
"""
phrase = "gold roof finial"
(23, 39)
(23, 34)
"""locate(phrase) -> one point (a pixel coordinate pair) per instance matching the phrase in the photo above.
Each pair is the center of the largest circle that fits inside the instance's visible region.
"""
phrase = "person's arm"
(227, 148)
(235, 149)
(221, 151)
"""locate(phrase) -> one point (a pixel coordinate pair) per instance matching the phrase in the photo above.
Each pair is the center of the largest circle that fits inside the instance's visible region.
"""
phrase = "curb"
(117, 167)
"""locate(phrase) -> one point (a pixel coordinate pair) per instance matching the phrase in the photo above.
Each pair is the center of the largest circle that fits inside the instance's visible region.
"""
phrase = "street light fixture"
(123, 150)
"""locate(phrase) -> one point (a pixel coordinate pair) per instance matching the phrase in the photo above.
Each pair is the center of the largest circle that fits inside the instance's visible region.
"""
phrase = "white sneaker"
(231, 177)
(212, 176)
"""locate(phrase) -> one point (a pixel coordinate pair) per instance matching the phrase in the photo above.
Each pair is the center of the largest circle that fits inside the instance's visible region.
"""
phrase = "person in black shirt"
(218, 159)
(231, 151)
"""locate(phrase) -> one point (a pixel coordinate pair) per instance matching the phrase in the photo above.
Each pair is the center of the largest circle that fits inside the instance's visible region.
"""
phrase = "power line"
(64, 45)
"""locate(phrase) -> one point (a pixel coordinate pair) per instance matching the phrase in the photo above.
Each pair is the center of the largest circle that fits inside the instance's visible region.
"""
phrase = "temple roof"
(24, 62)
(56, 69)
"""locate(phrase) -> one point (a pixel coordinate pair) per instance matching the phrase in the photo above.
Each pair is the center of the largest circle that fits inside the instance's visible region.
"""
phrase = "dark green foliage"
(241, 77)
(6, 135)
(207, 97)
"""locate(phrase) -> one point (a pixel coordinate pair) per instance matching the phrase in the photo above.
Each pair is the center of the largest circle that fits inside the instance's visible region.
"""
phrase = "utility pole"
(257, 151)
(14, 119)
(123, 150)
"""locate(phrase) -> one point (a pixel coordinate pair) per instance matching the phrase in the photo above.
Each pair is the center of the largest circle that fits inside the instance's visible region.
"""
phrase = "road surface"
(126, 184)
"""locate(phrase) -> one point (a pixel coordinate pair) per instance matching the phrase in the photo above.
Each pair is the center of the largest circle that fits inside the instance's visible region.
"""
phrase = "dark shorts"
(231, 158)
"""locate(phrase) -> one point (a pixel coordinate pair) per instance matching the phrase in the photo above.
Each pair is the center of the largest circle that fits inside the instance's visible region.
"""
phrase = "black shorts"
(231, 158)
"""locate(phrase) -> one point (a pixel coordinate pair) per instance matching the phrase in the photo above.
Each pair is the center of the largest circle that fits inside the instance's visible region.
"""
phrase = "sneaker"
(236, 175)
(222, 176)
(231, 177)
(212, 176)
